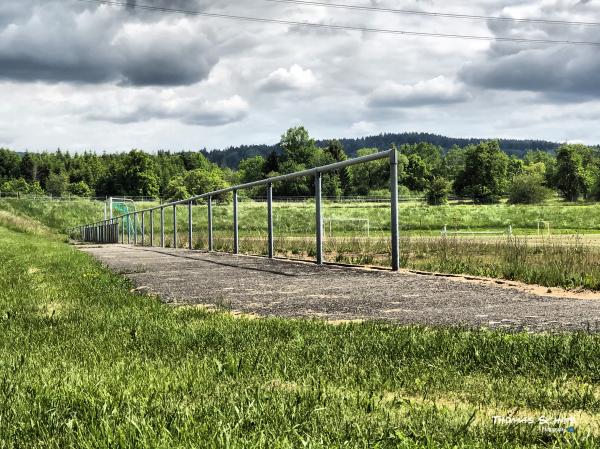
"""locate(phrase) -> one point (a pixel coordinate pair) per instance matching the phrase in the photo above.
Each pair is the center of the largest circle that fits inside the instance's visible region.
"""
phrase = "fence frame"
(317, 172)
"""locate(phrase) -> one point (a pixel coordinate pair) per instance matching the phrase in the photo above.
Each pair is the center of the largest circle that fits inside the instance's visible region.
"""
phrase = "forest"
(481, 170)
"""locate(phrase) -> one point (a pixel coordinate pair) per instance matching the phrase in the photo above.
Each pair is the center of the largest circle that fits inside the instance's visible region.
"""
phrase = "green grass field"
(85, 363)
(568, 258)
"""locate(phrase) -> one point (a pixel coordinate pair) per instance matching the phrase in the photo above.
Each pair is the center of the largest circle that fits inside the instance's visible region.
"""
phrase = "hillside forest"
(482, 171)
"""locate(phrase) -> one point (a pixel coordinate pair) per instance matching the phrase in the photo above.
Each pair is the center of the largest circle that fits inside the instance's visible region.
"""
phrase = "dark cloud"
(65, 42)
(560, 72)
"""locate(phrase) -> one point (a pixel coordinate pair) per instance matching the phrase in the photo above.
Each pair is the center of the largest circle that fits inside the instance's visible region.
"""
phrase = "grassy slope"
(86, 363)
(54, 214)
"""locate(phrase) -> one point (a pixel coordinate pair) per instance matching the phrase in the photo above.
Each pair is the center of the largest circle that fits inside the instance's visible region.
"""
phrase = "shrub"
(528, 189)
(437, 191)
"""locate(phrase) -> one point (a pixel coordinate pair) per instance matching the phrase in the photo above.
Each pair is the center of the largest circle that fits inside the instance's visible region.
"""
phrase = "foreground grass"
(86, 363)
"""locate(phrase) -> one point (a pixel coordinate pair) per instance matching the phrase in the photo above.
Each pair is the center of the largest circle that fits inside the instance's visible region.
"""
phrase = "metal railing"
(104, 231)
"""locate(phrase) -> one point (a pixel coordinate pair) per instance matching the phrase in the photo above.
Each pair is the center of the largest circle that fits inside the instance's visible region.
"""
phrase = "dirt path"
(281, 288)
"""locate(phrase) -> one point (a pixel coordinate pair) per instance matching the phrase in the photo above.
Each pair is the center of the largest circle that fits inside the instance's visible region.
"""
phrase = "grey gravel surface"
(265, 287)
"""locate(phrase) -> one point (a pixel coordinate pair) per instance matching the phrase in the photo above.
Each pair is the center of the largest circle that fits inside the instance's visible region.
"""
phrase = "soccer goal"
(543, 226)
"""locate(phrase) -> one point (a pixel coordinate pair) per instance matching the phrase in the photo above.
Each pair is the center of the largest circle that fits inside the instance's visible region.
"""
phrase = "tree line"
(481, 171)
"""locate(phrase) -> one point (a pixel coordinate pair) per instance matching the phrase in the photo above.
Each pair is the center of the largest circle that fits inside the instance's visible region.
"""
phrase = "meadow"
(85, 362)
(358, 233)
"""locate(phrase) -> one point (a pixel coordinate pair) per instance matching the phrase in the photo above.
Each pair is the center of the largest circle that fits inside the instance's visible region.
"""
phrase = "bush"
(437, 191)
(80, 189)
(528, 189)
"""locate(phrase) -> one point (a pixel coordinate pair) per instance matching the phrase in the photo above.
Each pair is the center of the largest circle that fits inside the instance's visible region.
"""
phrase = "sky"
(78, 75)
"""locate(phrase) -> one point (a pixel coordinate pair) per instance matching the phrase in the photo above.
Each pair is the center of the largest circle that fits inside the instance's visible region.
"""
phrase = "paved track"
(281, 288)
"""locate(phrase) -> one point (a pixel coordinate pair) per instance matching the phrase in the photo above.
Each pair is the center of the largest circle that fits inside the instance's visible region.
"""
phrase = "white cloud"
(439, 90)
(296, 78)
(135, 107)
(362, 128)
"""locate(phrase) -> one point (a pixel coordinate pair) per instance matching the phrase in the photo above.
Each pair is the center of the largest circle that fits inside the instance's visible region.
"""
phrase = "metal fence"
(104, 231)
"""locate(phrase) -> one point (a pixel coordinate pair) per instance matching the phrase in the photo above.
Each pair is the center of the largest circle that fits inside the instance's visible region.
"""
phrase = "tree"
(18, 185)
(271, 163)
(370, 176)
(297, 145)
(202, 181)
(252, 169)
(437, 191)
(336, 150)
(453, 162)
(138, 175)
(176, 190)
(28, 168)
(57, 184)
(418, 173)
(569, 177)
(9, 164)
(484, 174)
(428, 153)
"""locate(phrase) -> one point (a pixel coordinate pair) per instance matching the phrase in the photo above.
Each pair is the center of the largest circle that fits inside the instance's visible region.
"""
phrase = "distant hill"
(232, 156)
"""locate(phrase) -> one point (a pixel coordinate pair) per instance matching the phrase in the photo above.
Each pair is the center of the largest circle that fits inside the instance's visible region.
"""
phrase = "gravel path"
(281, 288)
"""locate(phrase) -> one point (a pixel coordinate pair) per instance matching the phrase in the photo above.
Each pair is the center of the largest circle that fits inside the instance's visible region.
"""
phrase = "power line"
(342, 27)
(434, 14)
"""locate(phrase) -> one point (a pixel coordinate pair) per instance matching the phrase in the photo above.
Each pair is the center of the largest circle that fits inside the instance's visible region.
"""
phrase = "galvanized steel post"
(128, 229)
(174, 226)
(319, 219)
(143, 227)
(270, 219)
(236, 244)
(394, 210)
(162, 227)
(210, 224)
(152, 227)
(190, 230)
(135, 220)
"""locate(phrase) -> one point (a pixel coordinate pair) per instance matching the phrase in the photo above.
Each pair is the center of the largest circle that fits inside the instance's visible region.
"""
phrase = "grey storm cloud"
(78, 42)
(560, 72)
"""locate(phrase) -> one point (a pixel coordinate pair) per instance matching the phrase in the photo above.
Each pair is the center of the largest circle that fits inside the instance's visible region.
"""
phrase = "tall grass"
(86, 363)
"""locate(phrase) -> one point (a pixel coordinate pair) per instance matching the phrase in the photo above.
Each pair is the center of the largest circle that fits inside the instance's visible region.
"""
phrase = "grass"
(86, 363)
(561, 260)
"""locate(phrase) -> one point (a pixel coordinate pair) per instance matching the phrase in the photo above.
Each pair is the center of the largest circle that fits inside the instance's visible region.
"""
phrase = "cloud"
(294, 79)
(58, 44)
(559, 72)
(439, 90)
(136, 107)
(362, 128)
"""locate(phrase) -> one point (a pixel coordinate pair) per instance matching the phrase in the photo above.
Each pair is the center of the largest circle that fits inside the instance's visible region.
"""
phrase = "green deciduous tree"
(569, 176)
(297, 145)
(484, 176)
(418, 173)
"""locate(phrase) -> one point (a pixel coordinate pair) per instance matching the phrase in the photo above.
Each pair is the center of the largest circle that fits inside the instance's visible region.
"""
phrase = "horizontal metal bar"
(266, 181)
